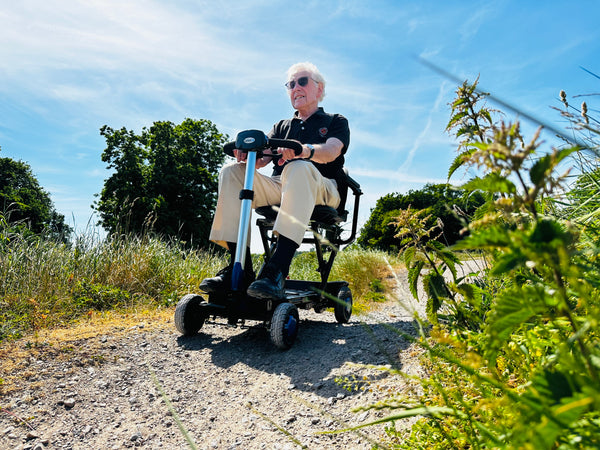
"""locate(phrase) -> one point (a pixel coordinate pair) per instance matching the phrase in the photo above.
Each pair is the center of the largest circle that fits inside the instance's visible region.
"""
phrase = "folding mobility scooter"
(233, 306)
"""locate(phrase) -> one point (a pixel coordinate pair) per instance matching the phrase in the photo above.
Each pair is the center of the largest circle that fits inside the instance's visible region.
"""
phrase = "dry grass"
(59, 344)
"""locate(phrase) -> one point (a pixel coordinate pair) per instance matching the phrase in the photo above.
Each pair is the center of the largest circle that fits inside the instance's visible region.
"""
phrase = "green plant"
(523, 371)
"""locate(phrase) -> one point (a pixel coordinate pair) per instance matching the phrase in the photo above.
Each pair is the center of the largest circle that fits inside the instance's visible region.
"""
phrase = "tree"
(164, 179)
(441, 201)
(25, 206)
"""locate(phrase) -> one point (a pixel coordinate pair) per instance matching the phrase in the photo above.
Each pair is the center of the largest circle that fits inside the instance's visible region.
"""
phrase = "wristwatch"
(312, 151)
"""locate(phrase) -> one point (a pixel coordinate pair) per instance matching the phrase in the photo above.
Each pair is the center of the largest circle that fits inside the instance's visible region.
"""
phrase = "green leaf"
(414, 272)
(513, 308)
(459, 101)
(408, 254)
(537, 173)
(552, 385)
(436, 291)
(492, 182)
(456, 118)
(557, 421)
(546, 231)
(490, 237)
(456, 164)
(507, 263)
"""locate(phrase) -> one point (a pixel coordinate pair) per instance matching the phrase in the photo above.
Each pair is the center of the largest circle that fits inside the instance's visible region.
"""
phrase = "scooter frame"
(280, 317)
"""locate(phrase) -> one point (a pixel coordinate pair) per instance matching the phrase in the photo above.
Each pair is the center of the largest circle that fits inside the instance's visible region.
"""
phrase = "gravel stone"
(229, 387)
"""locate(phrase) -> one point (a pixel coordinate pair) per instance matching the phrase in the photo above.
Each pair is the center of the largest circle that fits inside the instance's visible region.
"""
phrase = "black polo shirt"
(315, 130)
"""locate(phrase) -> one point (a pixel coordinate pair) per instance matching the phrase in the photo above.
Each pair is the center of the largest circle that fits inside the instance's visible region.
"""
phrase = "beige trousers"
(299, 188)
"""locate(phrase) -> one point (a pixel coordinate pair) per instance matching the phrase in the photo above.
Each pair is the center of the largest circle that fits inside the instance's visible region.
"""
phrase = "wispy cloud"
(442, 94)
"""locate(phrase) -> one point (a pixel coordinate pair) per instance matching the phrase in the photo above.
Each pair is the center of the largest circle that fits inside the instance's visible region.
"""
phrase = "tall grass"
(45, 283)
(366, 271)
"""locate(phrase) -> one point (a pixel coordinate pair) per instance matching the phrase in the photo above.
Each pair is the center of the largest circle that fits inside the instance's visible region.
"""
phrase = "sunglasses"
(302, 81)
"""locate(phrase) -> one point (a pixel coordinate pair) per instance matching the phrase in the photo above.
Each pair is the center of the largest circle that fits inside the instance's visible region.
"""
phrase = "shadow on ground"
(320, 348)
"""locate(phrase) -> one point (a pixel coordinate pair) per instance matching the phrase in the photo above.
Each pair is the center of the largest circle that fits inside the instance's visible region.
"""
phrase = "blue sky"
(69, 67)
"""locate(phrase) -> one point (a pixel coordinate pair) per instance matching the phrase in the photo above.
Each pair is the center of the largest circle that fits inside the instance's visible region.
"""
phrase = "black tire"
(284, 326)
(189, 317)
(343, 305)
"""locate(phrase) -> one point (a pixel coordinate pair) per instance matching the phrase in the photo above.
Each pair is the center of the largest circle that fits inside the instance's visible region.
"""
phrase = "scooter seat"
(322, 214)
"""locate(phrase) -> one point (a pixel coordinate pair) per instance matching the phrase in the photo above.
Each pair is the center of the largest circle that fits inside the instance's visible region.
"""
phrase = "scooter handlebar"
(229, 147)
(286, 143)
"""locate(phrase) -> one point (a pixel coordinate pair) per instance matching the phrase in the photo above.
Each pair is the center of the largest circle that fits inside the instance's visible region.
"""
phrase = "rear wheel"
(189, 317)
(343, 305)
(284, 326)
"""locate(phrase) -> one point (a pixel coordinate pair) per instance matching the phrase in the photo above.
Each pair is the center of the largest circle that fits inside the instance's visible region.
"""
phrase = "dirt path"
(230, 387)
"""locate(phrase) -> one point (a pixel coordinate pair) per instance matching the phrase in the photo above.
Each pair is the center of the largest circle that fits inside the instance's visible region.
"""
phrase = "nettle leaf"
(552, 385)
(456, 118)
(472, 294)
(538, 171)
(436, 291)
(408, 254)
(459, 101)
(447, 256)
(547, 230)
(486, 114)
(508, 262)
(492, 182)
(414, 271)
(488, 237)
(557, 420)
(513, 308)
(459, 161)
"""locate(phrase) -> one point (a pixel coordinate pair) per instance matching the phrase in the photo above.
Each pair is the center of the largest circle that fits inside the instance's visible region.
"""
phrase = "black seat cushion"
(326, 215)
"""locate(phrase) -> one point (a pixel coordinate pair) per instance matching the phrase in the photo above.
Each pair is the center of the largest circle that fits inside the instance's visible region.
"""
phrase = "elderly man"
(297, 184)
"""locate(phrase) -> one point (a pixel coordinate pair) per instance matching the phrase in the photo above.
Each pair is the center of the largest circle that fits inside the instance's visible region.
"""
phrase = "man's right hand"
(242, 156)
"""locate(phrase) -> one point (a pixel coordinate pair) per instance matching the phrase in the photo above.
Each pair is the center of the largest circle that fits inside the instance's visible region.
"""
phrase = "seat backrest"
(341, 180)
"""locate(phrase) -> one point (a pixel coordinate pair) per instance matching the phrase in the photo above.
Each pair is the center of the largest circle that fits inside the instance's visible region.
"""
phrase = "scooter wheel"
(189, 317)
(284, 326)
(343, 305)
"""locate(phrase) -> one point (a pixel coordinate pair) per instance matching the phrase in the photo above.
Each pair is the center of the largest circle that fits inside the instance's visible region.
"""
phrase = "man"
(297, 184)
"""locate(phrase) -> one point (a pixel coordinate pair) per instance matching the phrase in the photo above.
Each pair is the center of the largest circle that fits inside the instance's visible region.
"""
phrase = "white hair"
(314, 74)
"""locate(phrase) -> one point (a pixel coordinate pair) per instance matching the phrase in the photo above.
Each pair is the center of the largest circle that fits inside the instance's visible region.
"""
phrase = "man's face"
(304, 97)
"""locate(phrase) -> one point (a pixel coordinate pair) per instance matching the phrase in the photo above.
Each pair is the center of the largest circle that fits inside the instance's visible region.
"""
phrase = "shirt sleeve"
(339, 129)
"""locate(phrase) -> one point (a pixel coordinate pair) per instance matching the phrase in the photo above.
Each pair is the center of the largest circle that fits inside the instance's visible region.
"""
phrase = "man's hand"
(242, 156)
(287, 154)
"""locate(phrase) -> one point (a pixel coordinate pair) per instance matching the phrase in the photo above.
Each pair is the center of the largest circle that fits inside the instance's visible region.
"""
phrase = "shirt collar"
(319, 111)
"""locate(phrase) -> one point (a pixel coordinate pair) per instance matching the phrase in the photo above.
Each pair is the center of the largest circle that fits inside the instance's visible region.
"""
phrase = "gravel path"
(230, 387)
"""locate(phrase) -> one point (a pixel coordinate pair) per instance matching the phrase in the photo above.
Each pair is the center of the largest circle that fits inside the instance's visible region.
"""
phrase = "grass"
(46, 284)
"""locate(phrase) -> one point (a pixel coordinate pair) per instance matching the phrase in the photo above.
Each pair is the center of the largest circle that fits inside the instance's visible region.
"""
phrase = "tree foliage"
(163, 180)
(444, 205)
(25, 206)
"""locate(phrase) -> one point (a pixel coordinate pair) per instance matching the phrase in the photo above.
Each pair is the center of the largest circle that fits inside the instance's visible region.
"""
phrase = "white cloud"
(427, 131)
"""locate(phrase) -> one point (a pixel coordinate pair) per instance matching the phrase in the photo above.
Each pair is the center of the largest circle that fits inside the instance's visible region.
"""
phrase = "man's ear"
(319, 90)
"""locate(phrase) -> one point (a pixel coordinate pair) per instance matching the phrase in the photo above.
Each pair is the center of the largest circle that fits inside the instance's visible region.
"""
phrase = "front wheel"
(284, 326)
(343, 305)
(189, 316)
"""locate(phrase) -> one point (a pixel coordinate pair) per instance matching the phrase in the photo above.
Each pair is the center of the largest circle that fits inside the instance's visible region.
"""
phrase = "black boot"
(271, 279)
(270, 284)
(222, 280)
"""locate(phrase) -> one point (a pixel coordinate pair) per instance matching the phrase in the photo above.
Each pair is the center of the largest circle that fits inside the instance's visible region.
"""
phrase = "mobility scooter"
(233, 307)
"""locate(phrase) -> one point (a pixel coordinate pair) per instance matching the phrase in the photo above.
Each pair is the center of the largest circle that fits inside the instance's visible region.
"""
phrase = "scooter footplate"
(297, 294)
